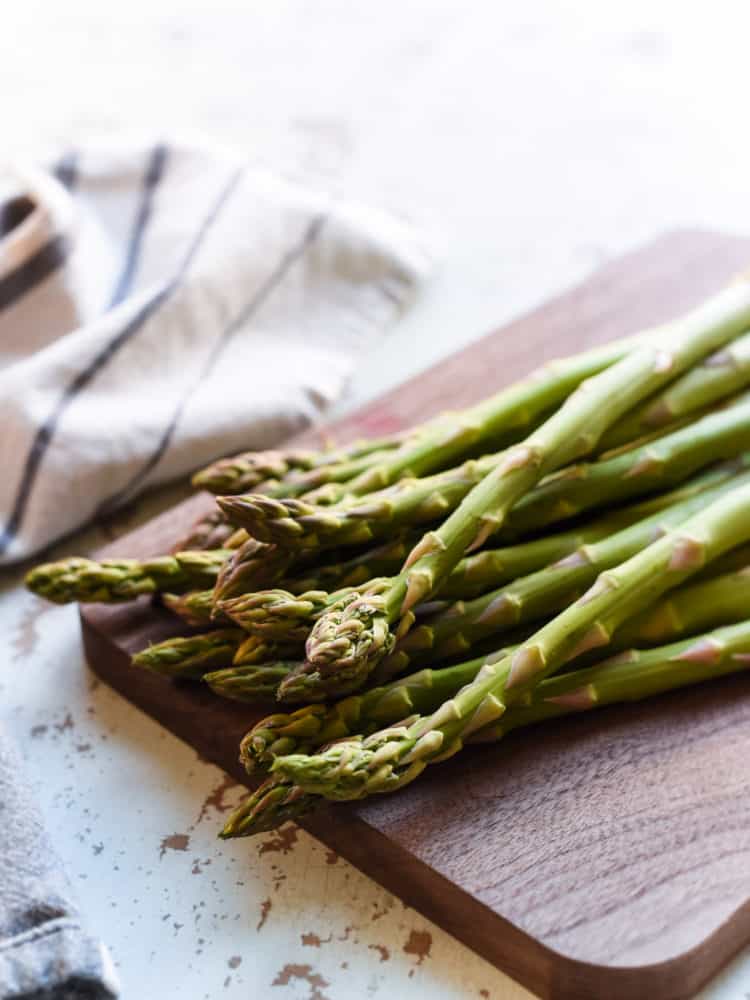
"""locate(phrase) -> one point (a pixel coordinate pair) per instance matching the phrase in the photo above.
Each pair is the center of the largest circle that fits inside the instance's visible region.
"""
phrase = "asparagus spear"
(252, 566)
(249, 682)
(119, 580)
(302, 525)
(254, 649)
(394, 757)
(629, 676)
(724, 372)
(476, 574)
(250, 470)
(449, 436)
(279, 614)
(718, 376)
(246, 470)
(273, 803)
(191, 656)
(112, 580)
(210, 654)
(387, 557)
(211, 531)
(275, 611)
(690, 609)
(196, 608)
(666, 461)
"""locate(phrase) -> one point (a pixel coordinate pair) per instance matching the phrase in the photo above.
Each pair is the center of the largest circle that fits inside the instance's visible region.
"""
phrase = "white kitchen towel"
(164, 304)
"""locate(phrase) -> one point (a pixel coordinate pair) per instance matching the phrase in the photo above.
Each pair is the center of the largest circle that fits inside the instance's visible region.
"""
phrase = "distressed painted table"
(529, 146)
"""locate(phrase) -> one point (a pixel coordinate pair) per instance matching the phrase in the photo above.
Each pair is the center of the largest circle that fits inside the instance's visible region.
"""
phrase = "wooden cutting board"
(605, 856)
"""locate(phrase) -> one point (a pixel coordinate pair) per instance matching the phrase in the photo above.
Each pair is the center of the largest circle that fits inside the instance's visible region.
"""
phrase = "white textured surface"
(529, 144)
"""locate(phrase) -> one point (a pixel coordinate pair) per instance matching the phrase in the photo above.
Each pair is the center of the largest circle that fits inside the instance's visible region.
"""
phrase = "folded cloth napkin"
(45, 951)
(164, 305)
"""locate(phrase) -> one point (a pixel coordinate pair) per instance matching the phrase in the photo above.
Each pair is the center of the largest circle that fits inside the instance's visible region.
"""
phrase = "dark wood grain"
(602, 856)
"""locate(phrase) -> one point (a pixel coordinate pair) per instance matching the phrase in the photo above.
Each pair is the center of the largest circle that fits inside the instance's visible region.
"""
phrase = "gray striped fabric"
(164, 305)
(45, 950)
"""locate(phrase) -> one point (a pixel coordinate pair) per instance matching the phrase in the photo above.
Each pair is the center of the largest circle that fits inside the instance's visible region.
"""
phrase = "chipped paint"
(67, 723)
(312, 940)
(265, 909)
(174, 842)
(315, 981)
(283, 841)
(419, 944)
(215, 798)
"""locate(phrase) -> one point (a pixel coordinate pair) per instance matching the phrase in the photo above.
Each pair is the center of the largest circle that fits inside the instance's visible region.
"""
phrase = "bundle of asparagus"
(578, 539)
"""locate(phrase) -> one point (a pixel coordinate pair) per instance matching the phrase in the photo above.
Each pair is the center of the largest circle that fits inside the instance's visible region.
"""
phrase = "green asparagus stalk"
(113, 580)
(666, 461)
(473, 575)
(273, 803)
(736, 559)
(458, 628)
(249, 682)
(277, 614)
(394, 757)
(254, 649)
(252, 566)
(196, 608)
(690, 610)
(246, 470)
(351, 638)
(450, 436)
(717, 377)
(630, 676)
(251, 469)
(387, 557)
(248, 570)
(191, 656)
(211, 531)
